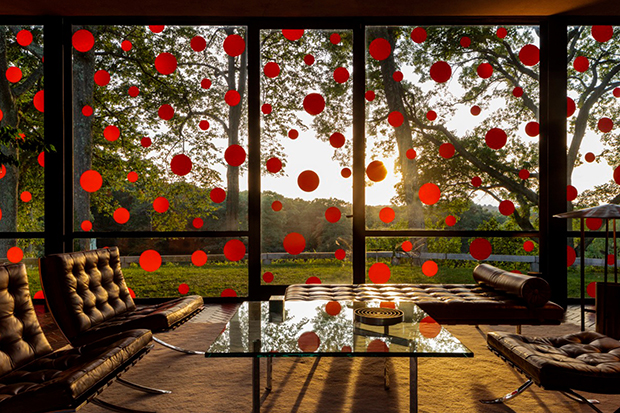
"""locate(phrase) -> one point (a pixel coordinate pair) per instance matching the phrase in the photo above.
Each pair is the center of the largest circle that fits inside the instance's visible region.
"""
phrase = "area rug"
(336, 385)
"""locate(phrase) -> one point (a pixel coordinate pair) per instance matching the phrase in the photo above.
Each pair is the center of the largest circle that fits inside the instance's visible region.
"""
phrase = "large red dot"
(571, 193)
(591, 289)
(268, 277)
(309, 342)
(234, 155)
(616, 174)
(532, 129)
(450, 220)
(380, 49)
(377, 346)
(496, 138)
(517, 92)
(83, 40)
(379, 273)
(161, 204)
(232, 98)
(337, 140)
(126, 45)
(396, 118)
(157, 28)
(376, 171)
(150, 260)
(166, 112)
(234, 250)
(166, 63)
(502, 32)
(407, 246)
(102, 77)
(271, 70)
(121, 216)
(274, 165)
(446, 150)
(602, 33)
(605, 125)
(571, 107)
(25, 196)
(506, 207)
(294, 243)
(2, 171)
(266, 108)
(431, 115)
(524, 174)
(429, 193)
(429, 328)
(183, 289)
(309, 59)
(308, 181)
(313, 280)
(292, 34)
(133, 91)
(15, 254)
(199, 258)
(24, 37)
(146, 142)
(217, 195)
(345, 172)
(441, 71)
(87, 110)
(293, 134)
(485, 70)
(91, 181)
(616, 92)
(528, 246)
(198, 43)
(333, 308)
(181, 164)
(370, 95)
(465, 41)
(335, 38)
(41, 159)
(387, 215)
(590, 157)
(571, 255)
(581, 63)
(430, 268)
(205, 83)
(333, 214)
(276, 206)
(13, 74)
(341, 75)
(314, 103)
(39, 101)
(203, 124)
(480, 249)
(86, 226)
(418, 34)
(234, 45)
(529, 55)
(410, 154)
(198, 223)
(340, 254)
(594, 224)
(228, 292)
(111, 133)
(132, 176)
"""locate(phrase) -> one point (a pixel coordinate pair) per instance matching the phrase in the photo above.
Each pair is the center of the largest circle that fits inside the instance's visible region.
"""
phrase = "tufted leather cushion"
(446, 303)
(534, 290)
(88, 297)
(586, 360)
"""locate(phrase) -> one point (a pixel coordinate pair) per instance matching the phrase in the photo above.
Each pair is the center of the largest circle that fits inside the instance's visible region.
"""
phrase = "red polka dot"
(166, 112)
(602, 33)
(276, 206)
(274, 165)
(506, 207)
(571, 193)
(131, 293)
(605, 125)
(406, 246)
(465, 41)
(480, 249)
(501, 32)
(161, 204)
(532, 129)
(150, 260)
(616, 92)
(217, 195)
(126, 45)
(39, 101)
(616, 174)
(345, 172)
(333, 214)
(24, 37)
(396, 118)
(387, 215)
(205, 83)
(410, 154)
(431, 115)
(590, 157)
(337, 140)
(398, 76)
(111, 133)
(370, 95)
(496, 138)
(181, 164)
(83, 40)
(203, 124)
(475, 110)
(132, 176)
(517, 92)
(418, 34)
(87, 111)
(15, 254)
(380, 49)
(524, 174)
(39, 295)
(234, 45)
(146, 142)
(91, 181)
(528, 246)
(430, 268)
(377, 346)
(333, 308)
(133, 91)
(228, 292)
(294, 243)
(121, 216)
(340, 254)
(571, 107)
(314, 104)
(308, 181)
(41, 159)
(183, 289)
(581, 64)
(271, 70)
(157, 28)
(235, 155)
(309, 59)
(591, 289)
(594, 224)
(441, 71)
(571, 256)
(335, 38)
(379, 273)
(266, 109)
(25, 196)
(376, 171)
(611, 259)
(446, 150)
(292, 34)
(234, 250)
(198, 223)
(341, 75)
(232, 98)
(102, 77)
(485, 70)
(308, 342)
(198, 43)
(293, 134)
(199, 258)
(529, 55)
(450, 220)
(268, 277)
(2, 171)
(86, 226)
(429, 328)
(429, 193)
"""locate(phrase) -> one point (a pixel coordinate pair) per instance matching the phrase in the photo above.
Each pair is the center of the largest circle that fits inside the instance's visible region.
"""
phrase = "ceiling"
(310, 8)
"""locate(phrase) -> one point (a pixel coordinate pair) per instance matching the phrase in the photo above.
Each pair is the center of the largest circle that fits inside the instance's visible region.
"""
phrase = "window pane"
(306, 146)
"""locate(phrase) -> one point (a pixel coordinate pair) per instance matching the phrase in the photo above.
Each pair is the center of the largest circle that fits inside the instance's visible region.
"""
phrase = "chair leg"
(115, 408)
(579, 398)
(510, 395)
(140, 387)
(179, 349)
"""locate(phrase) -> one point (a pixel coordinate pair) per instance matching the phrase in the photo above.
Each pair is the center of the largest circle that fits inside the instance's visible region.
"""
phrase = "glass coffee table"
(333, 329)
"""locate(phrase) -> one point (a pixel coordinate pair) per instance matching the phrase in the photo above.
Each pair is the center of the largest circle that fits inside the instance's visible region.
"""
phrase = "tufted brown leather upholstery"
(535, 291)
(586, 361)
(88, 297)
(449, 303)
(35, 379)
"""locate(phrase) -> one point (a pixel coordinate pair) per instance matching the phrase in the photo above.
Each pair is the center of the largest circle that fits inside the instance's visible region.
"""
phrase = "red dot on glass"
(228, 292)
(377, 346)
(198, 223)
(183, 289)
(446, 150)
(429, 193)
(396, 119)
(166, 63)
(581, 64)
(376, 171)
(616, 174)
(111, 133)
(314, 104)
(602, 33)
(234, 45)
(529, 55)
(39, 101)
(571, 255)
(203, 124)
(181, 164)
(337, 140)
(308, 181)
(341, 75)
(370, 95)
(591, 289)
(133, 91)
(83, 40)
(379, 273)
(480, 249)
(441, 71)
(41, 159)
(398, 76)
(126, 45)
(571, 193)
(2, 171)
(524, 174)
(232, 98)
(406, 246)
(333, 214)
(418, 34)
(380, 49)
(571, 107)
(87, 110)
(616, 92)
(217, 195)
(131, 293)
(161, 204)
(475, 110)
(532, 129)
(146, 142)
(293, 134)
(528, 246)
(24, 37)
(345, 172)
(132, 176)
(517, 92)
(450, 220)
(266, 108)
(235, 155)
(121, 216)
(234, 250)
(387, 215)
(465, 41)
(429, 328)
(157, 28)
(292, 34)
(431, 115)
(102, 77)
(496, 138)
(333, 308)
(274, 165)
(271, 70)
(166, 112)
(276, 206)
(268, 277)
(590, 157)
(340, 254)
(308, 342)
(199, 258)
(86, 226)
(410, 154)
(309, 59)
(150, 260)
(484, 70)
(594, 224)
(611, 260)
(506, 207)
(91, 181)
(15, 254)
(198, 43)
(335, 38)
(605, 125)
(501, 32)
(430, 268)
(205, 83)
(294, 243)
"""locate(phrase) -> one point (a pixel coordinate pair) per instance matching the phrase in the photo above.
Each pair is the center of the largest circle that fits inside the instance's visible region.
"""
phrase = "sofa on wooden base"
(89, 299)
(498, 297)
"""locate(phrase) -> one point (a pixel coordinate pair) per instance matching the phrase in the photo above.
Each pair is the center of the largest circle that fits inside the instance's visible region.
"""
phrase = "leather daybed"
(498, 297)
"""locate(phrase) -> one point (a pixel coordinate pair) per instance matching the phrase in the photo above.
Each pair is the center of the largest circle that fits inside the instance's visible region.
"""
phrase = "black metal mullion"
(359, 143)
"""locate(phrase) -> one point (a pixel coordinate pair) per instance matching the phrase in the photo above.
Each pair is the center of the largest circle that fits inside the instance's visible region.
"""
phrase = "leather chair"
(89, 299)
(33, 377)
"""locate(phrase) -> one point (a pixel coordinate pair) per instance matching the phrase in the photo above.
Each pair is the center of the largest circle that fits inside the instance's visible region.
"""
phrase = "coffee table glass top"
(329, 328)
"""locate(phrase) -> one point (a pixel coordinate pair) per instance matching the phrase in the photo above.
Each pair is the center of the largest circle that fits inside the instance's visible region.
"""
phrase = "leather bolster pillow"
(534, 290)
